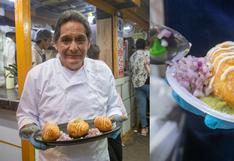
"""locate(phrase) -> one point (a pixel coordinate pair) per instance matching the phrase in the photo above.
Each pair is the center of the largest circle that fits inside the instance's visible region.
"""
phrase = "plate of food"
(207, 82)
(76, 131)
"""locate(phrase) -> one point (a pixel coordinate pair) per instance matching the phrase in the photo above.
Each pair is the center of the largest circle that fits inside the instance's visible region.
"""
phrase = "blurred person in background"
(204, 24)
(139, 69)
(51, 52)
(9, 49)
(93, 52)
(43, 42)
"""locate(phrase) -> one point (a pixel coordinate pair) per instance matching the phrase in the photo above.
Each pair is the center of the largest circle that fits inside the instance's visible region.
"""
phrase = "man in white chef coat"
(9, 49)
(66, 87)
(43, 42)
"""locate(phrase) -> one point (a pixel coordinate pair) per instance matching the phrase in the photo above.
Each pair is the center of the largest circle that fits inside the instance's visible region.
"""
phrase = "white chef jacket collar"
(59, 65)
(87, 66)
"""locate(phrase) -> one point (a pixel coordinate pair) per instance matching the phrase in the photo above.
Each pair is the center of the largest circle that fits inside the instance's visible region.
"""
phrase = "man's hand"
(39, 145)
(115, 134)
(118, 118)
(27, 131)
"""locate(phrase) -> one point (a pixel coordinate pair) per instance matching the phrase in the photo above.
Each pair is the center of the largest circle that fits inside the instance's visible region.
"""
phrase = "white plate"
(194, 101)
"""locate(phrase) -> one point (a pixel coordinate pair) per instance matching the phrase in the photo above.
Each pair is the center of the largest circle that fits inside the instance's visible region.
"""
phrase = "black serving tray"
(80, 140)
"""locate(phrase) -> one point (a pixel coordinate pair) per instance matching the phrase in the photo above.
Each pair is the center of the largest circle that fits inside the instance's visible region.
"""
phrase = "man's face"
(72, 45)
(46, 43)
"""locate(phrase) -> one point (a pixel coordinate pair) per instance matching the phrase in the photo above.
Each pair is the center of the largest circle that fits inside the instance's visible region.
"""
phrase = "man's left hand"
(116, 118)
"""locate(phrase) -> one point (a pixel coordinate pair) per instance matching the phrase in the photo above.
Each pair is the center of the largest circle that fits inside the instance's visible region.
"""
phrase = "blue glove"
(116, 118)
(210, 121)
(27, 133)
(28, 130)
(115, 134)
(39, 145)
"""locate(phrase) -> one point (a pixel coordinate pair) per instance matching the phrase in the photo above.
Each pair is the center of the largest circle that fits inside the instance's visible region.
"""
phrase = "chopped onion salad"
(193, 73)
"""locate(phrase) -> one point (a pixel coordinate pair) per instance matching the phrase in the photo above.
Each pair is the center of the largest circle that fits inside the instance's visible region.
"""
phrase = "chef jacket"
(54, 93)
(38, 54)
(9, 51)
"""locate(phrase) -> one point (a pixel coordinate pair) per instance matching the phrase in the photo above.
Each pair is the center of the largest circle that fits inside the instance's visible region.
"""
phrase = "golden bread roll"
(77, 128)
(103, 123)
(50, 132)
(222, 61)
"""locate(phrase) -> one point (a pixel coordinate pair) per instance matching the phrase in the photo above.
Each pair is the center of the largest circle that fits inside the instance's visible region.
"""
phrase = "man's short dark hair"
(71, 15)
(43, 34)
(140, 44)
(93, 51)
(10, 34)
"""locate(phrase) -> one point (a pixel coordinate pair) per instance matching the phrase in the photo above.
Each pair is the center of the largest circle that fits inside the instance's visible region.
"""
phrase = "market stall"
(29, 15)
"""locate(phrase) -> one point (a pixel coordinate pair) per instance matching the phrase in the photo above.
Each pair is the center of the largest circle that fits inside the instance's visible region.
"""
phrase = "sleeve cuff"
(114, 112)
(25, 122)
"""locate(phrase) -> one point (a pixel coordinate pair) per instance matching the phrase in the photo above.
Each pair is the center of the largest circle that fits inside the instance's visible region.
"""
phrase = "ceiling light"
(90, 17)
(128, 28)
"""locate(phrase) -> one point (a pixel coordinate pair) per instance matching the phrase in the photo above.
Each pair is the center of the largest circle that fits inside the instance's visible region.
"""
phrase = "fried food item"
(50, 132)
(222, 60)
(219, 52)
(77, 128)
(103, 123)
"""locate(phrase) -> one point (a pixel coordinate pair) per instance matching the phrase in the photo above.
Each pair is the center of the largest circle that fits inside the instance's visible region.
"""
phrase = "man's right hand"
(39, 145)
(27, 131)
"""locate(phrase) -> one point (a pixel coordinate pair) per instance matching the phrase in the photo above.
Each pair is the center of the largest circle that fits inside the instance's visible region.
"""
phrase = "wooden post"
(137, 2)
(24, 58)
(114, 38)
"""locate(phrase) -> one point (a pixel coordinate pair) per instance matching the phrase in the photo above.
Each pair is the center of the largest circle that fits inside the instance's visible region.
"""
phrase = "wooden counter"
(9, 99)
(10, 142)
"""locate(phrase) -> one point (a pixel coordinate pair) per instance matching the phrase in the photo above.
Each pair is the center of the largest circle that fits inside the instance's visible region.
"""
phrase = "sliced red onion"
(64, 137)
(93, 132)
(193, 73)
